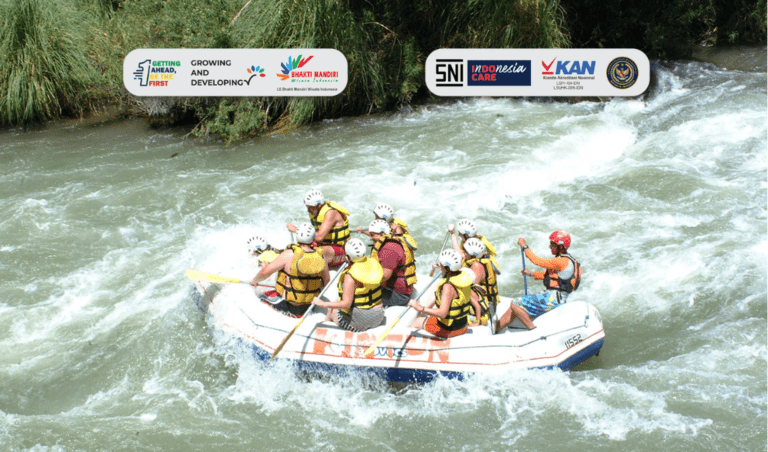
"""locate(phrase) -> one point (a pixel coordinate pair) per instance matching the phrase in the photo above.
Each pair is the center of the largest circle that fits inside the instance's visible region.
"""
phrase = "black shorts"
(391, 298)
(279, 304)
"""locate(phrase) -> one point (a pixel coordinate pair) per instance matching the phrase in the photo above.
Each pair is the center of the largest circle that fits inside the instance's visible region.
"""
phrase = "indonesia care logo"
(295, 71)
(622, 72)
(499, 73)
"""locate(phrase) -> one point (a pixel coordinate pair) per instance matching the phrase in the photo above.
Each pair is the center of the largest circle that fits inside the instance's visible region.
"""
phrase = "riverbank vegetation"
(64, 58)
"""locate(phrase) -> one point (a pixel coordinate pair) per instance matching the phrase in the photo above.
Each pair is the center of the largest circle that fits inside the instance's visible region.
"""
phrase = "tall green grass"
(44, 67)
(507, 24)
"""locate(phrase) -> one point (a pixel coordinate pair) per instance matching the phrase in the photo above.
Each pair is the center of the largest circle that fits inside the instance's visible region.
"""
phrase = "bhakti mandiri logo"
(296, 72)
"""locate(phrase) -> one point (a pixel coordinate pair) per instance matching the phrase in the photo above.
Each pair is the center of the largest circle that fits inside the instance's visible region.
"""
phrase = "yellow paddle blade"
(196, 275)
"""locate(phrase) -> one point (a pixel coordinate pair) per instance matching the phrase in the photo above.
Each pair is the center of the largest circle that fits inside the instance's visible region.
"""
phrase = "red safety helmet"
(561, 238)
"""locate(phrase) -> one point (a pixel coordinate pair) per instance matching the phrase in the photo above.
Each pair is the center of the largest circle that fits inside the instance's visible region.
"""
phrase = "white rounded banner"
(537, 72)
(235, 72)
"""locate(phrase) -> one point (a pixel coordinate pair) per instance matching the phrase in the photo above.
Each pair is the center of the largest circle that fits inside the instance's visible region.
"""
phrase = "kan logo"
(569, 67)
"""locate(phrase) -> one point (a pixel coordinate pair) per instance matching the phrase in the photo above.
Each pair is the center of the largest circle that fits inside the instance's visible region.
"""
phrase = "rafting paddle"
(386, 333)
(447, 234)
(309, 311)
(197, 275)
(525, 278)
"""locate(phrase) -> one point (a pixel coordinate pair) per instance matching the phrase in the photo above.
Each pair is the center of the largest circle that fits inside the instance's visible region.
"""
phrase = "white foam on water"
(41, 448)
(519, 401)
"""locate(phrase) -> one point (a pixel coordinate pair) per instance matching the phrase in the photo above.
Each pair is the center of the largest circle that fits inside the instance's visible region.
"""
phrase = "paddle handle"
(386, 333)
(447, 235)
(525, 278)
(383, 335)
(196, 275)
(258, 284)
(309, 311)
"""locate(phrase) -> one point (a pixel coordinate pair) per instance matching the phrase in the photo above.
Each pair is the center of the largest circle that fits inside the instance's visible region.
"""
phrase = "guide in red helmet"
(561, 276)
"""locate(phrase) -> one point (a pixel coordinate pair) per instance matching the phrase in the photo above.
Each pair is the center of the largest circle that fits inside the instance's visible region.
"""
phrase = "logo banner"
(537, 72)
(235, 72)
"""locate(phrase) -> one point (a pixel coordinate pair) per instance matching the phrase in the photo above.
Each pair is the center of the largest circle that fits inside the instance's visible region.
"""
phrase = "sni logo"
(569, 68)
(450, 72)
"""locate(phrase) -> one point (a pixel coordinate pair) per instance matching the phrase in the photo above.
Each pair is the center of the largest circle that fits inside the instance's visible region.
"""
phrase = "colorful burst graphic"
(293, 63)
(256, 70)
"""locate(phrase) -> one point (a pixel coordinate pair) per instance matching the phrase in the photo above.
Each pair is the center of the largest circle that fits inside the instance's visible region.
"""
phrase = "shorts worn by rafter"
(391, 298)
(537, 304)
(339, 255)
(360, 319)
(434, 327)
(278, 303)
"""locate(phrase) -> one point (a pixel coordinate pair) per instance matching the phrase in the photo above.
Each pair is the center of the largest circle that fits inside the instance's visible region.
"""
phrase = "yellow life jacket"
(409, 269)
(268, 256)
(339, 234)
(369, 273)
(489, 283)
(406, 235)
(488, 246)
(305, 279)
(403, 225)
(457, 315)
(483, 305)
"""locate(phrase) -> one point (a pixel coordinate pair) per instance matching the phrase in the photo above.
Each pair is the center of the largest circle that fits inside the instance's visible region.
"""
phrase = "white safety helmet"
(467, 227)
(313, 198)
(305, 234)
(475, 247)
(257, 244)
(379, 227)
(384, 211)
(355, 249)
(450, 259)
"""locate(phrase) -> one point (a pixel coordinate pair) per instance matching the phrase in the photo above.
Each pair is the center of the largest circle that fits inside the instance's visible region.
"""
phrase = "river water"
(665, 197)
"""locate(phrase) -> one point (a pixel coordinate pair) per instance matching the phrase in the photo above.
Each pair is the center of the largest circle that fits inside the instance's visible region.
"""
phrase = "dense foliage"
(64, 57)
(663, 28)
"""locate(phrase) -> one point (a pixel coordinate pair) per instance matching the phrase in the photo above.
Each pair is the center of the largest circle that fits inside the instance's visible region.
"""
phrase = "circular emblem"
(622, 72)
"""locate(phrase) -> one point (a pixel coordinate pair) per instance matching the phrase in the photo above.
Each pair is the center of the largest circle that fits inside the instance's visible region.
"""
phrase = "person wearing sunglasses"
(561, 276)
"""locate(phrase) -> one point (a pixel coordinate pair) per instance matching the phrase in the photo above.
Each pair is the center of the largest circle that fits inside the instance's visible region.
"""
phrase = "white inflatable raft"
(563, 338)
